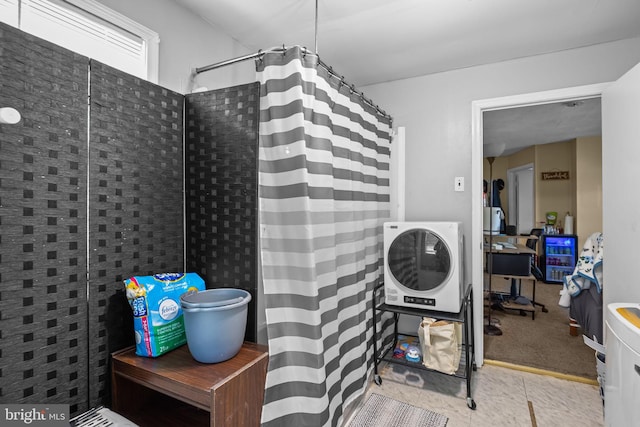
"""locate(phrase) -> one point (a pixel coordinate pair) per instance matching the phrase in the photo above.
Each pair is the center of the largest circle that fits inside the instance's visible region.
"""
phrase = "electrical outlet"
(459, 183)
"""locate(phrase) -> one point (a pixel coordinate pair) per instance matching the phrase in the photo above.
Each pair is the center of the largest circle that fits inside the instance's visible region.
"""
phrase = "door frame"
(512, 174)
(477, 137)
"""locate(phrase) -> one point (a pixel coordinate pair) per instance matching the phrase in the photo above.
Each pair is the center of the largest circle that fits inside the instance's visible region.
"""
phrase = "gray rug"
(383, 411)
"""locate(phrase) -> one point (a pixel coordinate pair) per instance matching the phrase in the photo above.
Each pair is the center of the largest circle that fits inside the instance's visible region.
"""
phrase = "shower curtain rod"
(282, 48)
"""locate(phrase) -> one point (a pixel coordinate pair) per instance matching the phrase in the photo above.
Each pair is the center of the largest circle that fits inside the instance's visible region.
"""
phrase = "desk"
(175, 390)
(521, 240)
(514, 260)
(515, 265)
(510, 305)
(517, 249)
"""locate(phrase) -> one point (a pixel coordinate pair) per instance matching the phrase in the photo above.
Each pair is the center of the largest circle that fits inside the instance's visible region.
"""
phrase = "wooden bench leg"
(573, 327)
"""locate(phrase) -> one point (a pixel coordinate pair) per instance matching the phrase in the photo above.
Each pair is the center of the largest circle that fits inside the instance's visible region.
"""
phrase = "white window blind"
(89, 28)
(9, 12)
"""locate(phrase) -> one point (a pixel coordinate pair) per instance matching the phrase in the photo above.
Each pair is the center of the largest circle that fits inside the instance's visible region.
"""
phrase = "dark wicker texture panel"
(222, 189)
(136, 203)
(43, 204)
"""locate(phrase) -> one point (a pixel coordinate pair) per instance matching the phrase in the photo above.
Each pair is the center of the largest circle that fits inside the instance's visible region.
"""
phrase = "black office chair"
(532, 244)
(535, 270)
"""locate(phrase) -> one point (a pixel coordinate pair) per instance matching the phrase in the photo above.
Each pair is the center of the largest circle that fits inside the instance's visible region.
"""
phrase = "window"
(9, 12)
(89, 28)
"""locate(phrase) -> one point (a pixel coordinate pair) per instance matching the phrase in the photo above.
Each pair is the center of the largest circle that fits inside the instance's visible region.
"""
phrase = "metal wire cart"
(465, 316)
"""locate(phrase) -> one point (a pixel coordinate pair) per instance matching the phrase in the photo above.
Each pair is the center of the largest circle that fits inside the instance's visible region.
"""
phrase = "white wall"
(620, 175)
(187, 42)
(436, 112)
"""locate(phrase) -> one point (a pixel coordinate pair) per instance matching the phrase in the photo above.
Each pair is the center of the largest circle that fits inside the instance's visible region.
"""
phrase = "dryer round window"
(419, 259)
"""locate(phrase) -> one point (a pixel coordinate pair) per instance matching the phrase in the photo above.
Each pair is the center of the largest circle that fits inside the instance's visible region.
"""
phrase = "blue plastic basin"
(215, 321)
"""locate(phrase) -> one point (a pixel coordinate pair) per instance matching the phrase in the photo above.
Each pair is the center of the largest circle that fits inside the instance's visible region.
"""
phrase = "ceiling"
(375, 41)
(508, 131)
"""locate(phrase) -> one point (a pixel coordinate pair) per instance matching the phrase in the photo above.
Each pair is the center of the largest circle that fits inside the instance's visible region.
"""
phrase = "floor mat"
(383, 411)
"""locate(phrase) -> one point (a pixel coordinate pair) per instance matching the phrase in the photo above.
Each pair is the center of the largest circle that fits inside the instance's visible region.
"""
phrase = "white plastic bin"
(623, 365)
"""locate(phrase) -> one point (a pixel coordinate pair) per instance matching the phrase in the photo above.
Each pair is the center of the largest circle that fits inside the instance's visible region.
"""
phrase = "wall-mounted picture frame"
(555, 175)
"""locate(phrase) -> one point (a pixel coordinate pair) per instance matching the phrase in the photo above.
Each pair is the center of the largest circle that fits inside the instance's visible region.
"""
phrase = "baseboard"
(538, 371)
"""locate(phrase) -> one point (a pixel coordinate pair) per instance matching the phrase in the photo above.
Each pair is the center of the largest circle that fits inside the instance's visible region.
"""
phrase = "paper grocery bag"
(441, 343)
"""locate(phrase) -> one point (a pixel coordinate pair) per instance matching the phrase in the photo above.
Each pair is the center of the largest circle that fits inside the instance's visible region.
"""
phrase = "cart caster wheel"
(474, 367)
(545, 310)
(377, 379)
(523, 313)
(471, 403)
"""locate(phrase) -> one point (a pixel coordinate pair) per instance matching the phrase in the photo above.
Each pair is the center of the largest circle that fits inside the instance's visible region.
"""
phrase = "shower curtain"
(324, 195)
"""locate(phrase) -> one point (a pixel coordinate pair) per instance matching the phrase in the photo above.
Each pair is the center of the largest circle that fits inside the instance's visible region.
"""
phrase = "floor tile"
(504, 397)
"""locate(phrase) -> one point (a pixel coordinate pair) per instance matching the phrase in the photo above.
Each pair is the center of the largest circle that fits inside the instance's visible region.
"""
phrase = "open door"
(620, 192)
(521, 198)
(621, 229)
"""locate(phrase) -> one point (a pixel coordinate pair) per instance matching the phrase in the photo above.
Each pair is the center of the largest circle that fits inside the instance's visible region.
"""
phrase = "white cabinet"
(622, 377)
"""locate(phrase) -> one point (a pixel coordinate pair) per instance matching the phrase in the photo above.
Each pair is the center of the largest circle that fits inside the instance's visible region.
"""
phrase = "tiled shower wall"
(221, 135)
(122, 177)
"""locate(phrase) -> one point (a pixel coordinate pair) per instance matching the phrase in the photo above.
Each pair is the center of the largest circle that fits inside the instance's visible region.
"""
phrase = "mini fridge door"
(559, 256)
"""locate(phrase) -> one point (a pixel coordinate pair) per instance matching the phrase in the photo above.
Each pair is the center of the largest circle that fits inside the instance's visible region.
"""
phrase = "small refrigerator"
(559, 256)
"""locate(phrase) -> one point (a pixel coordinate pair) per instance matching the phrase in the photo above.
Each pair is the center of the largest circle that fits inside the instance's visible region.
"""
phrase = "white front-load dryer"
(423, 265)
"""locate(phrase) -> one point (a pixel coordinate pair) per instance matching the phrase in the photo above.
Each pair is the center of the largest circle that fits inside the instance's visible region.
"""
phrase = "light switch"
(459, 183)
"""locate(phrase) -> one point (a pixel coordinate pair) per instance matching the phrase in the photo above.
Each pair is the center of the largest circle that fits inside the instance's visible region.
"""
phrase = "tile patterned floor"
(504, 397)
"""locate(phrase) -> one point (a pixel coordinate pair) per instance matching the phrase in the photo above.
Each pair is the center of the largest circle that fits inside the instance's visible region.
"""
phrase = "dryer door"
(419, 260)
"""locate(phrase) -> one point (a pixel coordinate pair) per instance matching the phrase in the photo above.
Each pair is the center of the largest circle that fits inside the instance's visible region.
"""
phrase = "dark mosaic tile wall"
(43, 204)
(221, 130)
(135, 204)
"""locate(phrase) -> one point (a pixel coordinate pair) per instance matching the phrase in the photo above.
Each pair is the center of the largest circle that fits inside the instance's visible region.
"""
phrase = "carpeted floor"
(543, 343)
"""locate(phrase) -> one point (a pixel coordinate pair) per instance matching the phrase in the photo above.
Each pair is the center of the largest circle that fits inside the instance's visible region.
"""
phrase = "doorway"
(477, 155)
(520, 182)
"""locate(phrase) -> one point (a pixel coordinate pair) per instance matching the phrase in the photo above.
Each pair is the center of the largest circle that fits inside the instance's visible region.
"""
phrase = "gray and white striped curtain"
(324, 195)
